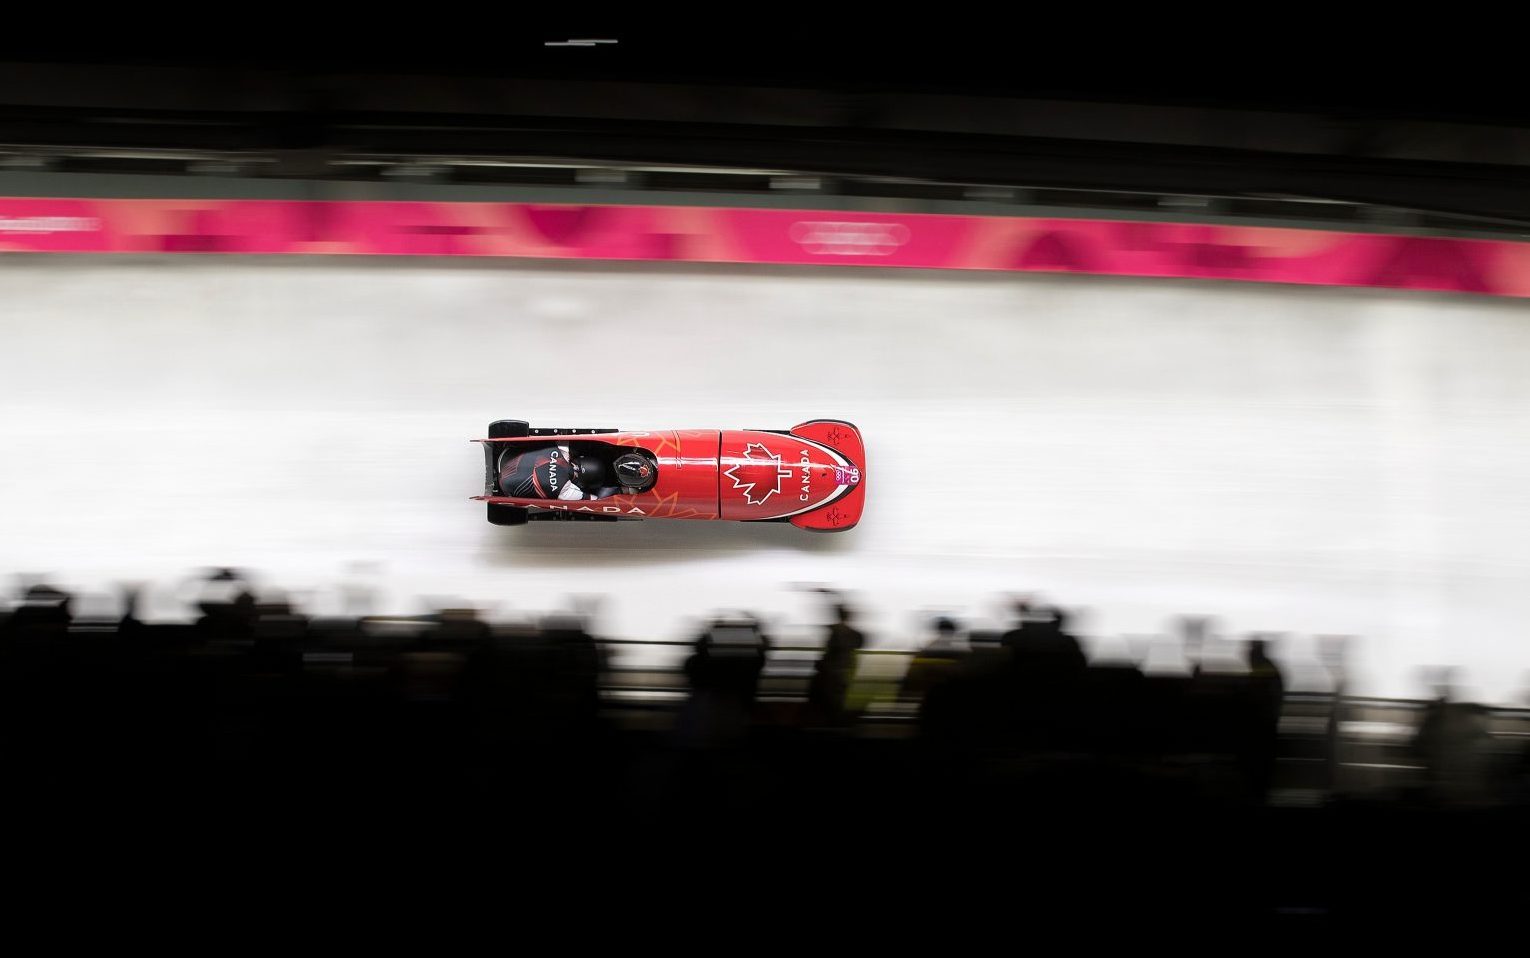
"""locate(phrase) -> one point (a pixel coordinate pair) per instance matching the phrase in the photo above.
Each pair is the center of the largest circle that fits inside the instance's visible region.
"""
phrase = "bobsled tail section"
(844, 511)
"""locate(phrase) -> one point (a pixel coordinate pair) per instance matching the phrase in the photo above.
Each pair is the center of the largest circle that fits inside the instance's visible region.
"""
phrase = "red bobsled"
(813, 475)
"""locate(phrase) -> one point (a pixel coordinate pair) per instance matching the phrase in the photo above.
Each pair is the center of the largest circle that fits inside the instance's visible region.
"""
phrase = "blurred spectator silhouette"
(1044, 671)
(723, 672)
(1266, 698)
(1333, 653)
(1452, 745)
(829, 690)
(935, 662)
(574, 670)
(226, 601)
(1043, 645)
(1194, 630)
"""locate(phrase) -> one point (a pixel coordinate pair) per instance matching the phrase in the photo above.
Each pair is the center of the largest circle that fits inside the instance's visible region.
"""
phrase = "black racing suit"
(542, 472)
(546, 472)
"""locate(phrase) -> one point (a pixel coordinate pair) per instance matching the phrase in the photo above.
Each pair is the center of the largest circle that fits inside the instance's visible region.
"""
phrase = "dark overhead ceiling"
(1172, 109)
(1167, 56)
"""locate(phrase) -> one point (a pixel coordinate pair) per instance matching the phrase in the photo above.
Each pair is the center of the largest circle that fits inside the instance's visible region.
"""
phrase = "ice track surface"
(1299, 460)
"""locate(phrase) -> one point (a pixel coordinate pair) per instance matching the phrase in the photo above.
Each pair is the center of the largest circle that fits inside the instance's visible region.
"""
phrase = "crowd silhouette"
(254, 704)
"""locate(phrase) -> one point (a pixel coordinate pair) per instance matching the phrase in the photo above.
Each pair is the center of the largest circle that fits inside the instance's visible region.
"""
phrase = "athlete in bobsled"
(553, 472)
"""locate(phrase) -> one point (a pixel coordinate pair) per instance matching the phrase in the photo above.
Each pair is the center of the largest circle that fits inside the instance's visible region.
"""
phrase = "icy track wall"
(1302, 460)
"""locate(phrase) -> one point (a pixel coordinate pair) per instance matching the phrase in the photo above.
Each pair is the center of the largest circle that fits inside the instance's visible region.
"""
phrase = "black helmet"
(635, 471)
(590, 472)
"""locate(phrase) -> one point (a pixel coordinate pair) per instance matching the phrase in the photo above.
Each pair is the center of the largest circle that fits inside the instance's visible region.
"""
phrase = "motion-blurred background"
(1194, 414)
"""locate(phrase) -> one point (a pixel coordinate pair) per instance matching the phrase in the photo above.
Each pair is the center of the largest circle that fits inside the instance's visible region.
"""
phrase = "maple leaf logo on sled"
(761, 471)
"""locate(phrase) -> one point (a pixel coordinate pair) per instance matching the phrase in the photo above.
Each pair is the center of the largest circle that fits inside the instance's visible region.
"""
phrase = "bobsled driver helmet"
(589, 472)
(635, 471)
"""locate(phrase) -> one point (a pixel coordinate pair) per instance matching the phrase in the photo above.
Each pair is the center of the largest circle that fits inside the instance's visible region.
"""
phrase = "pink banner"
(799, 237)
